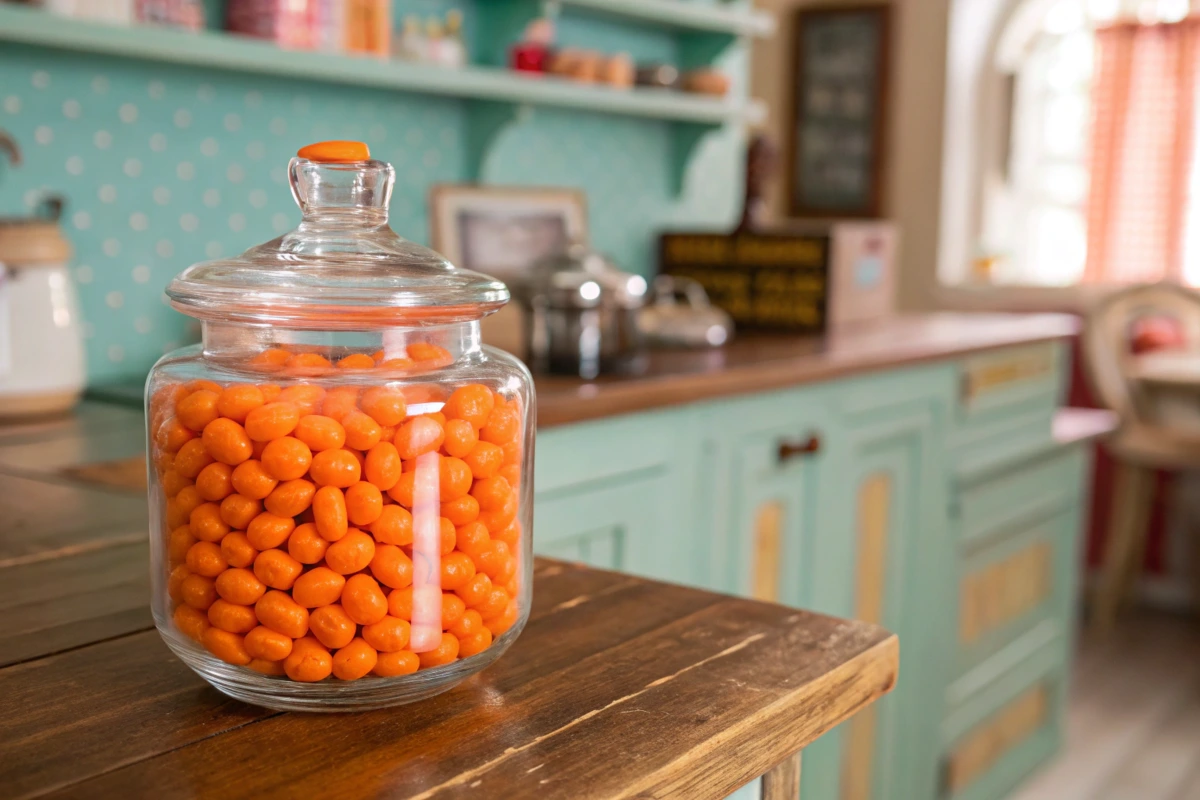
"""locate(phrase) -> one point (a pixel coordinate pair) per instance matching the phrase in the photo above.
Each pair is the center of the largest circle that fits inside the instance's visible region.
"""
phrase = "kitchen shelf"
(216, 50)
(684, 15)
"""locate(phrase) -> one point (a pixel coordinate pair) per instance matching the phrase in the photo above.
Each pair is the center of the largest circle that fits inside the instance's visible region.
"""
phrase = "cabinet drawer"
(1011, 500)
(1000, 381)
(992, 743)
(611, 449)
(1010, 593)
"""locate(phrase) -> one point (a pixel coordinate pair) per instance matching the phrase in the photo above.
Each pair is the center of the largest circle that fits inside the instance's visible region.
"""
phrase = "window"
(1038, 195)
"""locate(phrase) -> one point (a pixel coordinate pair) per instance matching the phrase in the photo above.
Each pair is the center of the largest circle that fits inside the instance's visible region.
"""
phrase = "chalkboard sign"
(836, 143)
(769, 281)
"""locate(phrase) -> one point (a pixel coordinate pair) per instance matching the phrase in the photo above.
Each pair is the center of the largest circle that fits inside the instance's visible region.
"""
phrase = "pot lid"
(343, 267)
(581, 278)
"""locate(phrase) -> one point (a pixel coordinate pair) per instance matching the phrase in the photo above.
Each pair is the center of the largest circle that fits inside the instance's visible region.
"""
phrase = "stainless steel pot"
(581, 315)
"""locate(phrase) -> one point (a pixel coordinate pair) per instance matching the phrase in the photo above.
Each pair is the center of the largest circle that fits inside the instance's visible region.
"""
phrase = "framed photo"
(836, 140)
(502, 232)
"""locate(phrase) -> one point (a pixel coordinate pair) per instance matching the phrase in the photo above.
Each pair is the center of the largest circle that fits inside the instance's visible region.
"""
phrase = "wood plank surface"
(762, 362)
(618, 687)
(45, 518)
(55, 604)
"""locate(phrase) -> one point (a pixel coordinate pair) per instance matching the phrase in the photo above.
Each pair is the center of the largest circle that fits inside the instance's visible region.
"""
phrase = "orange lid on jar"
(343, 267)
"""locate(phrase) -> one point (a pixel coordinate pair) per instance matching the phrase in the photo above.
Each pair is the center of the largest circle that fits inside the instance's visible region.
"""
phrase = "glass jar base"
(330, 695)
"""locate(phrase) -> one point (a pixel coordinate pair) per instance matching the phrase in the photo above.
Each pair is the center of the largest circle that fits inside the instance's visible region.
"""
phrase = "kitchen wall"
(163, 166)
(913, 173)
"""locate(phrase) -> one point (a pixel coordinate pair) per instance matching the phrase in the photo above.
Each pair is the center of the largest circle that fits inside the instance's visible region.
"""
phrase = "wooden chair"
(1139, 447)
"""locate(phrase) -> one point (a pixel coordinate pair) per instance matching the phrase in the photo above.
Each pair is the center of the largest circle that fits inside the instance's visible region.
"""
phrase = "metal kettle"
(680, 315)
(581, 314)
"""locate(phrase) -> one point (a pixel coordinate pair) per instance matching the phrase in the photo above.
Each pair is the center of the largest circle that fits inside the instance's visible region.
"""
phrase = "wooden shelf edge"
(224, 51)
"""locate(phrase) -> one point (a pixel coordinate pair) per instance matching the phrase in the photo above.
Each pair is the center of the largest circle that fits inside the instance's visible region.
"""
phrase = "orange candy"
(236, 402)
(318, 587)
(444, 653)
(306, 545)
(391, 566)
(332, 626)
(457, 569)
(268, 530)
(198, 592)
(306, 397)
(191, 458)
(272, 421)
(476, 590)
(351, 553)
(388, 635)
(364, 503)
(485, 460)
(475, 643)
(354, 660)
(240, 586)
(418, 436)
(462, 511)
(227, 441)
(391, 665)
(191, 622)
(251, 479)
(198, 409)
(286, 458)
(175, 582)
(238, 511)
(400, 603)
(226, 646)
(357, 361)
(173, 482)
(339, 402)
(237, 550)
(205, 558)
(473, 404)
(384, 405)
(329, 513)
(461, 438)
(402, 492)
(502, 426)
(232, 617)
(454, 478)
(307, 363)
(431, 355)
(277, 569)
(338, 468)
(268, 645)
(179, 543)
(394, 526)
(507, 618)
(320, 433)
(275, 357)
(468, 623)
(172, 435)
(279, 612)
(362, 432)
(472, 538)
(363, 600)
(266, 667)
(206, 524)
(453, 609)
(215, 482)
(290, 498)
(309, 661)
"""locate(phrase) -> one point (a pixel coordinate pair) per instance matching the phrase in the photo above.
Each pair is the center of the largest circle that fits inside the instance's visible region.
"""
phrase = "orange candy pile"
(290, 522)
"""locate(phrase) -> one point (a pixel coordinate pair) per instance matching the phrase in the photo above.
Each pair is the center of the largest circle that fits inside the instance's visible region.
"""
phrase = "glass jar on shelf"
(341, 473)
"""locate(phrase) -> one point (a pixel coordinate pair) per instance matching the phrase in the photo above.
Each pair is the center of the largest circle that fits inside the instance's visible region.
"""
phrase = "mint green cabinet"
(922, 498)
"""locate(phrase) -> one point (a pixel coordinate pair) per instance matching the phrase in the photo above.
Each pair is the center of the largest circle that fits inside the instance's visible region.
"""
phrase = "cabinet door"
(874, 567)
(610, 526)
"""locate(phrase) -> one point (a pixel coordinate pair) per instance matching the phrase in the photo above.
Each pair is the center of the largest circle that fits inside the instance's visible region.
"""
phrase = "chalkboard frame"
(872, 207)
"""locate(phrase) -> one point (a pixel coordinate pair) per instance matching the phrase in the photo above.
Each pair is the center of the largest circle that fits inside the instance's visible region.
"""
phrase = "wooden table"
(618, 687)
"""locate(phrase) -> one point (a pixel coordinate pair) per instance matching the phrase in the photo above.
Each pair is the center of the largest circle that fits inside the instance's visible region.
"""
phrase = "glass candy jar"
(341, 473)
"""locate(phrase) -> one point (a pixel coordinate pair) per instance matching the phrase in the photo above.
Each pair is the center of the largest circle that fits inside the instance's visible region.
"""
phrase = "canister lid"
(343, 267)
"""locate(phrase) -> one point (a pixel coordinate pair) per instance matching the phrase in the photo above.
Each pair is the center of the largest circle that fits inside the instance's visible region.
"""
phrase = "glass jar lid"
(343, 267)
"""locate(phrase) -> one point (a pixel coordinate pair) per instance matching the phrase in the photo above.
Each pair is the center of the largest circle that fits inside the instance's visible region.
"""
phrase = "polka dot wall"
(162, 166)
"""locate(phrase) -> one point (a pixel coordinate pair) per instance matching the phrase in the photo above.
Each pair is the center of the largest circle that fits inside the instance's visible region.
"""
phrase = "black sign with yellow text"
(769, 281)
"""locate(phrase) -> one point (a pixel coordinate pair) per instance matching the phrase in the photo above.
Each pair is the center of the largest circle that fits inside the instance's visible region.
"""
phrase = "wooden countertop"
(758, 362)
(618, 687)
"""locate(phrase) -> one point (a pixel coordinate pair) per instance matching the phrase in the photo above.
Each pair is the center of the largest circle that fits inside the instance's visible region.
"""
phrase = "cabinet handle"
(789, 450)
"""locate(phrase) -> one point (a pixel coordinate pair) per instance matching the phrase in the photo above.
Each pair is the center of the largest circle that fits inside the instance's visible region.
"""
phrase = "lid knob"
(335, 152)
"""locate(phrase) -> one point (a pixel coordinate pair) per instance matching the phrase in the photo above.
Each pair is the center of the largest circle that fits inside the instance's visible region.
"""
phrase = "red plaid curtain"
(1142, 148)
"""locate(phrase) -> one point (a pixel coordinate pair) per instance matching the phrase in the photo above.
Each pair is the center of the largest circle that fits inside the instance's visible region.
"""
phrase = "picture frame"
(837, 128)
(502, 231)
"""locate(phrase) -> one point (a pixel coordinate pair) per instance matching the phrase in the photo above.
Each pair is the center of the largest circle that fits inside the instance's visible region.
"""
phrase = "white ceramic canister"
(41, 346)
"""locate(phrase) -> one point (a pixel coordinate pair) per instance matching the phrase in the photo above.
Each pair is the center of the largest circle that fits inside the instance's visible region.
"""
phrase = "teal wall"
(163, 166)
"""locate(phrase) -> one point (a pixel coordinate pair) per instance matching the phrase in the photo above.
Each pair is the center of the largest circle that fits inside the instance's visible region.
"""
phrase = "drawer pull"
(804, 447)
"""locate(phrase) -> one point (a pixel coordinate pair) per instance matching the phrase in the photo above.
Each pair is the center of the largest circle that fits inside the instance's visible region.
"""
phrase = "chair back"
(1111, 333)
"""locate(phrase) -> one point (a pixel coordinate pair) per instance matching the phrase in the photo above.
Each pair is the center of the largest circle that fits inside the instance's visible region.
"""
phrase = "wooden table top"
(760, 362)
(618, 687)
